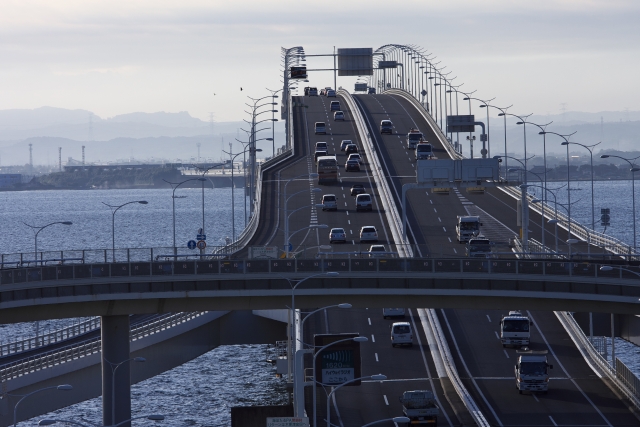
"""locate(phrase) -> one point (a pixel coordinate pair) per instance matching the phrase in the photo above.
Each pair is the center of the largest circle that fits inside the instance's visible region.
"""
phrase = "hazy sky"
(116, 56)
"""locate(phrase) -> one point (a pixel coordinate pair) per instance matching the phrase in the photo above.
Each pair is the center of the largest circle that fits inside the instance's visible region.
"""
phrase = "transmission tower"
(83, 155)
(31, 156)
(198, 144)
(60, 159)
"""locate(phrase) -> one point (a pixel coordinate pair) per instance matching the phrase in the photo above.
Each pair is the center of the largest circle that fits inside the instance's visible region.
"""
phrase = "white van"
(401, 334)
(392, 312)
(363, 202)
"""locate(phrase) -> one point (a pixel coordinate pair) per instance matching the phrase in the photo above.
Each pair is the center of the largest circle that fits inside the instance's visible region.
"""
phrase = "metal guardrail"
(595, 237)
(404, 250)
(623, 384)
(393, 217)
(49, 338)
(86, 348)
(628, 378)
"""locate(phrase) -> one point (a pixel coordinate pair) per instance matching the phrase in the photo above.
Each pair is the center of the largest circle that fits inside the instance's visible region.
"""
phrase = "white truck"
(515, 329)
(479, 247)
(467, 227)
(420, 407)
(413, 138)
(532, 371)
(424, 151)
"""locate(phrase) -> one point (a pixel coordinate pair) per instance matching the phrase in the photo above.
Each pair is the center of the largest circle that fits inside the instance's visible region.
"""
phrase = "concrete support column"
(116, 373)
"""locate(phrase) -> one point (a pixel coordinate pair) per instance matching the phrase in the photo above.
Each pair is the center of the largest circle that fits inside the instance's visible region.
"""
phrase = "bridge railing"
(619, 375)
(307, 266)
(88, 347)
(579, 230)
(49, 338)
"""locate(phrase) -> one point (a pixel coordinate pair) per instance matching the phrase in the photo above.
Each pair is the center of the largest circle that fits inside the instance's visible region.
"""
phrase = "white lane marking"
(349, 221)
(435, 210)
(553, 353)
(350, 231)
(347, 212)
(449, 239)
(369, 319)
(464, 364)
(497, 336)
(342, 188)
(377, 357)
(439, 220)
(431, 201)
(385, 399)
(455, 251)
(345, 203)
(535, 397)
(552, 421)
(488, 318)
(444, 229)
(505, 353)
(373, 339)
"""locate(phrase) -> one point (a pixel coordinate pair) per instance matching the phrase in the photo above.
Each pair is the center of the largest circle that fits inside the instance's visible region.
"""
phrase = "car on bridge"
(377, 251)
(320, 128)
(329, 202)
(335, 106)
(337, 235)
(351, 148)
(357, 189)
(313, 91)
(344, 144)
(386, 127)
(338, 116)
(319, 153)
(368, 233)
(363, 202)
(354, 156)
(352, 166)
(401, 334)
(331, 93)
(322, 146)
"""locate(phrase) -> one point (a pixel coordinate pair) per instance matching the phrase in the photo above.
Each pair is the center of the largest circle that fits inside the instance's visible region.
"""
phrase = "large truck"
(515, 329)
(467, 227)
(424, 151)
(420, 407)
(413, 138)
(532, 371)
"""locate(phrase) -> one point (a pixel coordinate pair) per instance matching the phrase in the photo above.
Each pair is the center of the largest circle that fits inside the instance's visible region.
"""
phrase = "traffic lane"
(567, 401)
(346, 216)
(435, 220)
(406, 368)
(606, 400)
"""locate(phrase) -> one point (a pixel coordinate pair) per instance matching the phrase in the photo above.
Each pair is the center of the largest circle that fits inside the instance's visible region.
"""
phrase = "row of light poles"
(417, 65)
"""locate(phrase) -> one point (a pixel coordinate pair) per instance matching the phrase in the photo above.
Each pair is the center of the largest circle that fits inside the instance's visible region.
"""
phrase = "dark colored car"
(351, 148)
(357, 189)
(352, 166)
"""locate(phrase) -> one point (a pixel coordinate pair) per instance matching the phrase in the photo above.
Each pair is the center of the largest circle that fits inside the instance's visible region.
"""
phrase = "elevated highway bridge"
(429, 273)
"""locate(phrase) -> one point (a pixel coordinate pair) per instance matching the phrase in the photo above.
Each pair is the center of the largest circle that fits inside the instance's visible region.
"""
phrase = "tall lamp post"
(114, 367)
(503, 113)
(114, 209)
(34, 228)
(566, 139)
(232, 157)
(633, 170)
(377, 377)
(63, 387)
(523, 121)
(273, 132)
(175, 186)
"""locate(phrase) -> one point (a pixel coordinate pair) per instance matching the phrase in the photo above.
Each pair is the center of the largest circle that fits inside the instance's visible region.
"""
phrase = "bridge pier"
(116, 373)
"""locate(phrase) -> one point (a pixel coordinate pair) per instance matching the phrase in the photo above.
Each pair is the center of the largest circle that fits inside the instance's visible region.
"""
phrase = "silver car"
(337, 235)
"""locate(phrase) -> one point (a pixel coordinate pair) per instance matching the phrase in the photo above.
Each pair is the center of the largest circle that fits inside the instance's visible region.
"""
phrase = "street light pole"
(114, 367)
(377, 377)
(114, 209)
(63, 387)
(633, 170)
(175, 186)
(233, 211)
(34, 228)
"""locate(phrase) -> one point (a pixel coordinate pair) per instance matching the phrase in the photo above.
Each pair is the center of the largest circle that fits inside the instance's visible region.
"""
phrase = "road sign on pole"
(191, 244)
(201, 244)
(287, 422)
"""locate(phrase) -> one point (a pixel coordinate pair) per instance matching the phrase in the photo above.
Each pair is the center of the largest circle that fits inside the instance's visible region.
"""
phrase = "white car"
(338, 115)
(363, 202)
(337, 235)
(354, 156)
(377, 251)
(368, 233)
(329, 202)
(401, 334)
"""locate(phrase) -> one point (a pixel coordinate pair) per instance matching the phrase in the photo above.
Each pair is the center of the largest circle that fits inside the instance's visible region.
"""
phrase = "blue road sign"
(201, 237)
(191, 244)
(290, 247)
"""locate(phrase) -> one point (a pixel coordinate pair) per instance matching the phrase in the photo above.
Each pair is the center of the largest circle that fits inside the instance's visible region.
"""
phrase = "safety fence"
(88, 347)
(49, 338)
